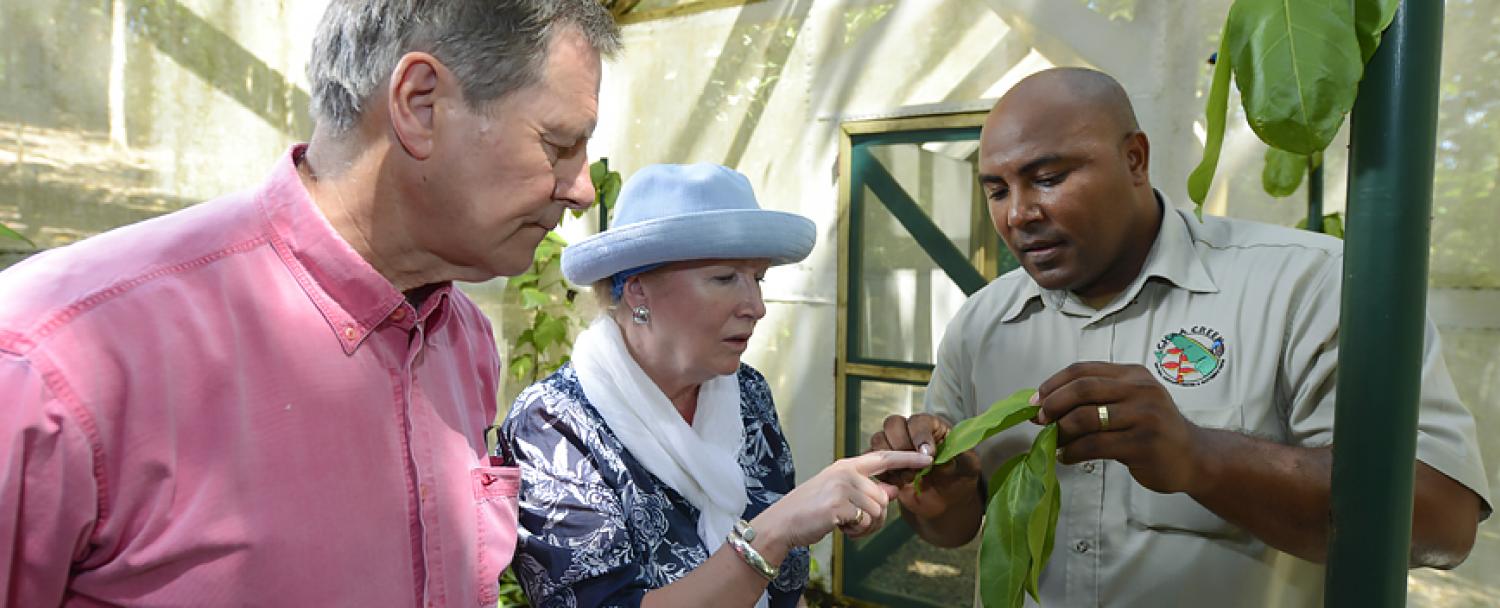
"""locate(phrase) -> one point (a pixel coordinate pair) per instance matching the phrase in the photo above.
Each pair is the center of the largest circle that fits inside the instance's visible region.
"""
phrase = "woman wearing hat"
(654, 470)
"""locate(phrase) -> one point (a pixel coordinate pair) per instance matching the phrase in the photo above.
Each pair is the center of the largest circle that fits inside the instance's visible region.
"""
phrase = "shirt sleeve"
(574, 544)
(1446, 434)
(48, 496)
(950, 393)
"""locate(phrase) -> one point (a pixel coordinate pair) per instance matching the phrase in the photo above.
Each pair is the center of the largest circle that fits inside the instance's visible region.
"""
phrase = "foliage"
(6, 234)
(1284, 170)
(1020, 523)
(1297, 66)
(1024, 500)
(1002, 415)
(511, 594)
(1333, 224)
(548, 299)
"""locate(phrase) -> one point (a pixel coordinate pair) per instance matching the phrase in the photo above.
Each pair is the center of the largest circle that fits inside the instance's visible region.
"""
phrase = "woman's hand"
(844, 495)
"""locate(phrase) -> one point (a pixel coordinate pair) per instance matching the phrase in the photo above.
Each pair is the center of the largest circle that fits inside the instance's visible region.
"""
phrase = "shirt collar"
(351, 295)
(1173, 258)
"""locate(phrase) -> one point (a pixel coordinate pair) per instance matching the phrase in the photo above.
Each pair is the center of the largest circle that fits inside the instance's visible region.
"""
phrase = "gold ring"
(859, 520)
(1103, 417)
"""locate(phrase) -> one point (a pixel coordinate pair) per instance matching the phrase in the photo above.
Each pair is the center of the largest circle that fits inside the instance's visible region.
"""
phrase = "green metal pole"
(1314, 195)
(1393, 140)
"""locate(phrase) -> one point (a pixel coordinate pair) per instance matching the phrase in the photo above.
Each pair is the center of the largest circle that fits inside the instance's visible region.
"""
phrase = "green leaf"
(1003, 557)
(1283, 172)
(1297, 65)
(1333, 225)
(532, 297)
(529, 279)
(520, 367)
(545, 252)
(610, 191)
(7, 234)
(597, 170)
(1371, 17)
(1001, 415)
(1214, 115)
(1042, 462)
(549, 330)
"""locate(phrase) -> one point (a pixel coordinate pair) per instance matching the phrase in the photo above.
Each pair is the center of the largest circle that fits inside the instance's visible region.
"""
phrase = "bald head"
(1080, 92)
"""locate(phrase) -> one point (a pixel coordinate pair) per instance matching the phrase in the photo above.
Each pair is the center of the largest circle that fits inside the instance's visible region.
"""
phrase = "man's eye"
(998, 194)
(1052, 179)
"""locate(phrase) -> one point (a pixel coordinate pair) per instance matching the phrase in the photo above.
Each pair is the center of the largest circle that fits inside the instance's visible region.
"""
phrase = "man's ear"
(1138, 157)
(416, 85)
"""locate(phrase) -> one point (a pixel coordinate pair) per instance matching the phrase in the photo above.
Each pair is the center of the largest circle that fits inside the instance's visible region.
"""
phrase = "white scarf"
(700, 461)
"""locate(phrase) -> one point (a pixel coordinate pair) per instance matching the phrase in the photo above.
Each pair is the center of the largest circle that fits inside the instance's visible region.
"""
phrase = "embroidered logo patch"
(1190, 357)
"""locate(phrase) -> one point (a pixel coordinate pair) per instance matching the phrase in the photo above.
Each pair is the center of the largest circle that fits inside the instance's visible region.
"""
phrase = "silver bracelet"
(752, 557)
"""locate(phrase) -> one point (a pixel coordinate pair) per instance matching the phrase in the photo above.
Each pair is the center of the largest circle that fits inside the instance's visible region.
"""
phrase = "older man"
(1189, 366)
(278, 397)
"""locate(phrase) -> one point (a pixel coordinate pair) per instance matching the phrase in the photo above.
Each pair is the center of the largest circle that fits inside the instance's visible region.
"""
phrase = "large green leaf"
(1001, 415)
(1214, 115)
(1042, 462)
(1297, 64)
(1003, 555)
(1283, 172)
(1371, 17)
(7, 234)
(1018, 523)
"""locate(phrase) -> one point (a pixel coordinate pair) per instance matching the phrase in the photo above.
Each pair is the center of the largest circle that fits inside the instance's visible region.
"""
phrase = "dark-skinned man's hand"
(1146, 432)
(952, 483)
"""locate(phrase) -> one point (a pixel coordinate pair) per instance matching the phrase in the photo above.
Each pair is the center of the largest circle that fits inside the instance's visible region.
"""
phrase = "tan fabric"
(1272, 295)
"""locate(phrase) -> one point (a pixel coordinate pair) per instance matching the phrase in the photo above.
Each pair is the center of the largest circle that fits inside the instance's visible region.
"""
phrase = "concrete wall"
(112, 111)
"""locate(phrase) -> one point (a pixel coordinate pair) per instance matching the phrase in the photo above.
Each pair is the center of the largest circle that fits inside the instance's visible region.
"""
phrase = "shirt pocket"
(495, 511)
(1179, 512)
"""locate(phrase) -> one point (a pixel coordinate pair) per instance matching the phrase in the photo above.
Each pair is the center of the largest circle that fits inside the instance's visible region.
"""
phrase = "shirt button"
(350, 333)
(399, 314)
(1082, 546)
(1088, 467)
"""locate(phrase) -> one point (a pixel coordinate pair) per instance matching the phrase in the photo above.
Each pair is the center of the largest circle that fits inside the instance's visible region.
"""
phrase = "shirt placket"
(1085, 501)
(430, 550)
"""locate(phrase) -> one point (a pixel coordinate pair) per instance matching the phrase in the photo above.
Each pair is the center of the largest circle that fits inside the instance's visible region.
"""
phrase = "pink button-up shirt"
(228, 406)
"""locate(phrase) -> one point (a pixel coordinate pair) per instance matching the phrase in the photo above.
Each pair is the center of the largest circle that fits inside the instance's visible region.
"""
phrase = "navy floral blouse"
(598, 529)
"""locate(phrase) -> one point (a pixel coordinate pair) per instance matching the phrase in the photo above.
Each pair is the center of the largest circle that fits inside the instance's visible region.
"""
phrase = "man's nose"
(1023, 209)
(574, 186)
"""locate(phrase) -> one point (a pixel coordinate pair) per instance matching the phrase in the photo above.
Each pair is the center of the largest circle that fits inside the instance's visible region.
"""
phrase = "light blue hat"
(672, 213)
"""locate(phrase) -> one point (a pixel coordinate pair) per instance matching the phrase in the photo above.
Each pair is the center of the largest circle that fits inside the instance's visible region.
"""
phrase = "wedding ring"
(1103, 417)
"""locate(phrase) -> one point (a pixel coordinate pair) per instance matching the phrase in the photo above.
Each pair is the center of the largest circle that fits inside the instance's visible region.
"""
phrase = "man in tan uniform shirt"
(1189, 365)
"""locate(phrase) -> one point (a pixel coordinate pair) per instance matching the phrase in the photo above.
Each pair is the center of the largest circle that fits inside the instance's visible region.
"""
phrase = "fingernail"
(1035, 398)
(925, 448)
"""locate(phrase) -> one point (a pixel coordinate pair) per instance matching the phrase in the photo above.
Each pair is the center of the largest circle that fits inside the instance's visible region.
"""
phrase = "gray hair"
(495, 47)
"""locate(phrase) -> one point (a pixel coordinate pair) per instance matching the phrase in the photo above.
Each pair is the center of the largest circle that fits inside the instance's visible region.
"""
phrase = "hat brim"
(783, 238)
